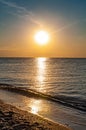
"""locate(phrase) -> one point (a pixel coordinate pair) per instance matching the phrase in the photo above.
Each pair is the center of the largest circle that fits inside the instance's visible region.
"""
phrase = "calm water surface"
(63, 79)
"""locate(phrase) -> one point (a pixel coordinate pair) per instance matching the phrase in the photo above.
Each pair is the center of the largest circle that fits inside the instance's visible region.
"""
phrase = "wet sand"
(12, 118)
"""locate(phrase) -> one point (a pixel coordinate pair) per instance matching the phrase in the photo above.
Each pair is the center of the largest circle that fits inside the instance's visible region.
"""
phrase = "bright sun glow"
(42, 37)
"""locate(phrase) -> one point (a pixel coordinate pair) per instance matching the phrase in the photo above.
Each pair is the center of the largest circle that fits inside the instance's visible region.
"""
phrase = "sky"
(64, 20)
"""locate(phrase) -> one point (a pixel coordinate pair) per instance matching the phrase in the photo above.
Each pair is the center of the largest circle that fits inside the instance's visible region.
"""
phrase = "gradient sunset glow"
(61, 28)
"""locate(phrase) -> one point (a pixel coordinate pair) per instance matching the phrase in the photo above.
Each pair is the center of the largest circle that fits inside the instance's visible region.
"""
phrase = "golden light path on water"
(41, 71)
(37, 105)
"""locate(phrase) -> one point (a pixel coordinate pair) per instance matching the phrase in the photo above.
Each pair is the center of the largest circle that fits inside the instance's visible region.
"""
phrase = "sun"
(42, 37)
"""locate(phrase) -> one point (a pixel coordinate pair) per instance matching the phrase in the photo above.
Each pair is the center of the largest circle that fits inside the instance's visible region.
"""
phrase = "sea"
(54, 88)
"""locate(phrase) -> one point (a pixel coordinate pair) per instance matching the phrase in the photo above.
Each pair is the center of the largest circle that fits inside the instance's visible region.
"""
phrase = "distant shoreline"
(47, 57)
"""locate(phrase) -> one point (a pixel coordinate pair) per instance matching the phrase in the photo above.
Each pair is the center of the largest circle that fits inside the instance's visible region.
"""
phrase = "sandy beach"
(12, 118)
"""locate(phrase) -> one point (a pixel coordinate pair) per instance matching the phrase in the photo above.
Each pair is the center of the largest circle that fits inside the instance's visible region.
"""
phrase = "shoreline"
(12, 118)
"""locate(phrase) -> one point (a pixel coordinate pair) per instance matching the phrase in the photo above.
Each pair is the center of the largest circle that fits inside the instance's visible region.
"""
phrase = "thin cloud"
(23, 10)
(13, 5)
(69, 26)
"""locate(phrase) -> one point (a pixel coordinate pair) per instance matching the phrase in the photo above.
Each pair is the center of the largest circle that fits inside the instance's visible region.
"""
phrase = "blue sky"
(65, 19)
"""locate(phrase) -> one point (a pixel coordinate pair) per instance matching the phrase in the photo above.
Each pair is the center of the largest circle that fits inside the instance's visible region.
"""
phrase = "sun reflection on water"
(41, 63)
(35, 106)
(41, 70)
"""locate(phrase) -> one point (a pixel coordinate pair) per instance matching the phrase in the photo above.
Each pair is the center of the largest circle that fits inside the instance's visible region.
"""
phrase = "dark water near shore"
(64, 80)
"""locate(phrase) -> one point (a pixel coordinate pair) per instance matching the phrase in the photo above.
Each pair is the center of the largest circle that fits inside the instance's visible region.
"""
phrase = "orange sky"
(64, 23)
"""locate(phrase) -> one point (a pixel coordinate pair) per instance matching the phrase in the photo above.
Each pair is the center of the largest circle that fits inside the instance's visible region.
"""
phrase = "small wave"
(64, 100)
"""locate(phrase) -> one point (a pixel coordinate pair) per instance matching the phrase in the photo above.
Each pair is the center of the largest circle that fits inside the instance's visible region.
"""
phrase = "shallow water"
(47, 109)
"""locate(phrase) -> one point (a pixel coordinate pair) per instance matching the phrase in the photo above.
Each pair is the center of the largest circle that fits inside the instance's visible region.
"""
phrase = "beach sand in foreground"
(12, 118)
